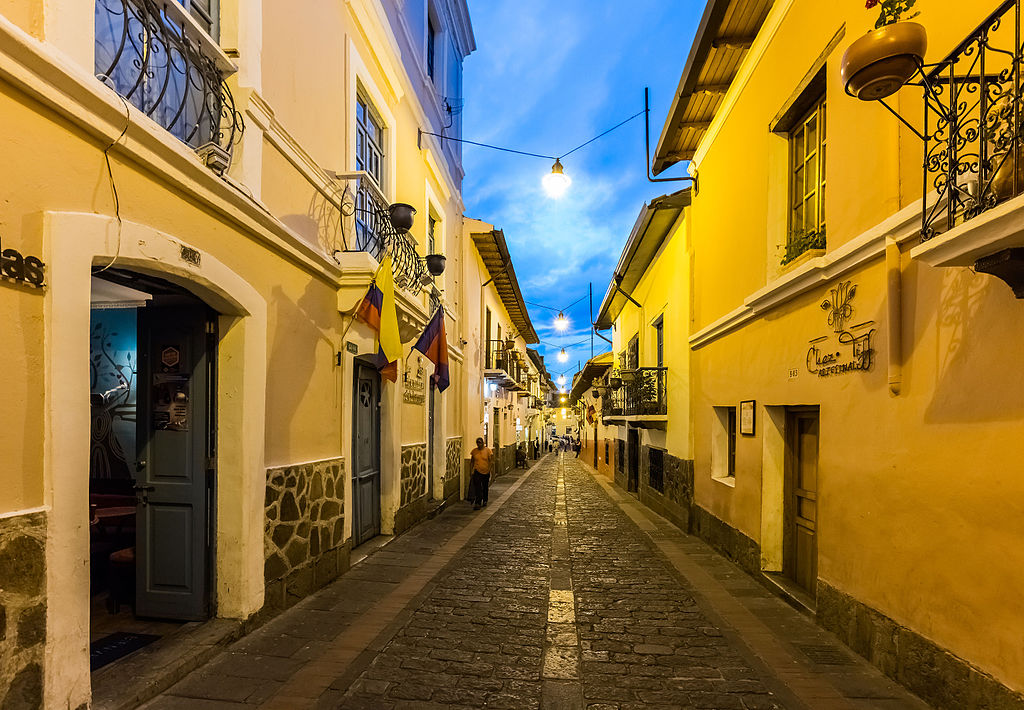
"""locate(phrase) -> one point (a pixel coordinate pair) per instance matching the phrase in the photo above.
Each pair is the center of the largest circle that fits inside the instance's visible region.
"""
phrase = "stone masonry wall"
(22, 610)
(304, 542)
(414, 473)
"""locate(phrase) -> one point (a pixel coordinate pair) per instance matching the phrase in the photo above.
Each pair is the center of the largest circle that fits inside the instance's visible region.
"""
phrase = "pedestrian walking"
(480, 481)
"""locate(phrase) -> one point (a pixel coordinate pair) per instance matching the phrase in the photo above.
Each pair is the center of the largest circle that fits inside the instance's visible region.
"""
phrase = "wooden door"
(175, 463)
(431, 444)
(633, 453)
(800, 556)
(366, 453)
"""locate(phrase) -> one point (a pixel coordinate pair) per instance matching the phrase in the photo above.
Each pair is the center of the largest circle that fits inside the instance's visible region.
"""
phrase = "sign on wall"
(849, 348)
(26, 270)
(415, 391)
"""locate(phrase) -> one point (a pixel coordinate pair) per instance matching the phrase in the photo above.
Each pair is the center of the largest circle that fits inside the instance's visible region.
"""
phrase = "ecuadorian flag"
(378, 311)
(434, 345)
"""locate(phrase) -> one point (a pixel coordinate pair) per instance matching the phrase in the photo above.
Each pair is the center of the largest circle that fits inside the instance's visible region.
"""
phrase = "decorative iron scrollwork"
(376, 235)
(972, 133)
(154, 62)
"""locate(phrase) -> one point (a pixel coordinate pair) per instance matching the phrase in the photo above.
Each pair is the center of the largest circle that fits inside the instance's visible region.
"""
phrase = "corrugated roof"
(727, 30)
(652, 227)
(494, 252)
(594, 368)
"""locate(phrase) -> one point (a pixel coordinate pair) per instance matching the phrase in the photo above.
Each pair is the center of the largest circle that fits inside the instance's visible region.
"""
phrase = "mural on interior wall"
(112, 386)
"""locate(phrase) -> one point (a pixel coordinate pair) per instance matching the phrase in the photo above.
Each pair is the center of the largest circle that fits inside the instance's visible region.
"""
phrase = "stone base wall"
(727, 540)
(945, 681)
(452, 468)
(304, 535)
(413, 504)
(675, 500)
(22, 609)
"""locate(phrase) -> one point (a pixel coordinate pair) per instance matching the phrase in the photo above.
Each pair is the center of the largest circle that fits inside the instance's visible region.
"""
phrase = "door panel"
(800, 540)
(366, 453)
(172, 514)
(633, 482)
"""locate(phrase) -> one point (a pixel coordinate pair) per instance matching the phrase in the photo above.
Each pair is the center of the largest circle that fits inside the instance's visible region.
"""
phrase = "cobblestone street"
(562, 593)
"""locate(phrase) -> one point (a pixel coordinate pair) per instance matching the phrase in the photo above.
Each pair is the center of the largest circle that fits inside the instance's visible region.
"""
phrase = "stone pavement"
(563, 593)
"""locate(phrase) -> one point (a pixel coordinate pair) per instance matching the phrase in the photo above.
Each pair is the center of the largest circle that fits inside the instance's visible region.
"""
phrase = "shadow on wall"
(977, 378)
(300, 329)
(323, 224)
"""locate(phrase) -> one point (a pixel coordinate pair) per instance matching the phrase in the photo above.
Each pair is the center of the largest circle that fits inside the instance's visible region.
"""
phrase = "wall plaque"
(848, 349)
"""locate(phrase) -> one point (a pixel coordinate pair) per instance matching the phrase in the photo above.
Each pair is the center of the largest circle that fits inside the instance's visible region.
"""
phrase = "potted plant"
(1003, 164)
(803, 243)
(510, 343)
(878, 64)
(435, 264)
(615, 382)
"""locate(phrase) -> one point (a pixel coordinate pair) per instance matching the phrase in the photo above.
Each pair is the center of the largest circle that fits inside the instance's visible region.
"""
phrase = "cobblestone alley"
(562, 593)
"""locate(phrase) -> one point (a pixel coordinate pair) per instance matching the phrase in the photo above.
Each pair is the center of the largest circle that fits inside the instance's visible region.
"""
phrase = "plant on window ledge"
(891, 11)
(802, 242)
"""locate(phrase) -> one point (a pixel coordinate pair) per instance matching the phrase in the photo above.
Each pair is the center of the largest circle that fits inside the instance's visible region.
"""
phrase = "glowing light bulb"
(561, 322)
(556, 182)
(561, 379)
(563, 356)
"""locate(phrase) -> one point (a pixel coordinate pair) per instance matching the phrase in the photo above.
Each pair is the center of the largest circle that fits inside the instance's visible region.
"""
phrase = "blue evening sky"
(546, 77)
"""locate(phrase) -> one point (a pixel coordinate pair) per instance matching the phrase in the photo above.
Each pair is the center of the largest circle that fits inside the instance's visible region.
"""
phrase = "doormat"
(116, 646)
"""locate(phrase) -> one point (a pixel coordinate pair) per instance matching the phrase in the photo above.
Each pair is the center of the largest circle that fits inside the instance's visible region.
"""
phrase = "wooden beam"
(732, 42)
(712, 89)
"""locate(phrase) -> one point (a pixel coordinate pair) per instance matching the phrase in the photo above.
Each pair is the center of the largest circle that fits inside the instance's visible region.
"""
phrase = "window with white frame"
(431, 47)
(431, 234)
(369, 141)
(205, 13)
(723, 443)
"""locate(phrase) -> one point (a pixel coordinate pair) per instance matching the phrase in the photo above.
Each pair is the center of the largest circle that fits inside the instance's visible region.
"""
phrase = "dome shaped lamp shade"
(556, 182)
(402, 216)
(435, 264)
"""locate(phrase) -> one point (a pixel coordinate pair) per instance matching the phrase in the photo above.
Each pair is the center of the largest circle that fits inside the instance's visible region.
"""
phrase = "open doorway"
(153, 371)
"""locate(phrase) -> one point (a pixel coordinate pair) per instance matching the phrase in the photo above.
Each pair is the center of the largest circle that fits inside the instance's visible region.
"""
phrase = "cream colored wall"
(919, 494)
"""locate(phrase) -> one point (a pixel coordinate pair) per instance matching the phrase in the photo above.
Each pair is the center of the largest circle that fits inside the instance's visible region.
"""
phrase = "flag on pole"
(378, 311)
(434, 345)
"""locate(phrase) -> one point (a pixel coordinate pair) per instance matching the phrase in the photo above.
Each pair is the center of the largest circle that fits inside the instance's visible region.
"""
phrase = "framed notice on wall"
(747, 417)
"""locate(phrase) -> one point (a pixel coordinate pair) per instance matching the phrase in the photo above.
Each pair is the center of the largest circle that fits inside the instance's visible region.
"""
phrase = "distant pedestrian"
(480, 481)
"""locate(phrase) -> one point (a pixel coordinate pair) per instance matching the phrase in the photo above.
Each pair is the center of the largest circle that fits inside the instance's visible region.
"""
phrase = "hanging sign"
(27, 270)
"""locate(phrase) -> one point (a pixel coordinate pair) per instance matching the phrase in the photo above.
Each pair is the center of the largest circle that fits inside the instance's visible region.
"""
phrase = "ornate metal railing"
(499, 358)
(152, 57)
(643, 392)
(376, 235)
(972, 129)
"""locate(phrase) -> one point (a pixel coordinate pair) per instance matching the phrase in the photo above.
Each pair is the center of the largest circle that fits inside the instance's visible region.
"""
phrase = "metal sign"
(26, 270)
(850, 349)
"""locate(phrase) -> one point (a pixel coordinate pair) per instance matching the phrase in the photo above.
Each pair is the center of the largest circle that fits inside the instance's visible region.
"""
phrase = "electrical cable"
(113, 185)
(602, 135)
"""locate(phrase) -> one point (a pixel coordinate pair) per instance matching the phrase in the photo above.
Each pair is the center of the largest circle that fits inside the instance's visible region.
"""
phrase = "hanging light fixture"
(556, 182)
(561, 379)
(563, 356)
(561, 322)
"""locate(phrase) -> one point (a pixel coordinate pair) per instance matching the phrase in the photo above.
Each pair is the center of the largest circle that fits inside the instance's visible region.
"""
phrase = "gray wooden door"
(800, 542)
(366, 454)
(174, 480)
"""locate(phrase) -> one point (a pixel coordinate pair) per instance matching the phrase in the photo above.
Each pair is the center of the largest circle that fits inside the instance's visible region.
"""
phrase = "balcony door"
(800, 535)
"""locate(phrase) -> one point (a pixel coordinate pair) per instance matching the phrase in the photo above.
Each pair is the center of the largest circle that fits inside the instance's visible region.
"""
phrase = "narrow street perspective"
(561, 595)
(512, 354)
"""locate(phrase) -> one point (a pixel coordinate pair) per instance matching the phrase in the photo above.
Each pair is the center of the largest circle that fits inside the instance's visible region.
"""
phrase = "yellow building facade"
(189, 391)
(853, 401)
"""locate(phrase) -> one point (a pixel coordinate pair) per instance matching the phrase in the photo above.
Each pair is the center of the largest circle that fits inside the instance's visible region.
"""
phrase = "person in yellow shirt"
(480, 481)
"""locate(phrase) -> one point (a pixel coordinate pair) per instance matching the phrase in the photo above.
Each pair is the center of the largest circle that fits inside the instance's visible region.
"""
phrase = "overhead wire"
(113, 184)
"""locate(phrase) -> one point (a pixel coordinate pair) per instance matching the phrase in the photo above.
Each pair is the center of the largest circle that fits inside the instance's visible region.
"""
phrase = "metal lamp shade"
(435, 264)
(402, 216)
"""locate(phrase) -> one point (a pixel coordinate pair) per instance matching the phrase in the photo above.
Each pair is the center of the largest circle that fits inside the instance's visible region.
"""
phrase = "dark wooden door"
(496, 467)
(366, 453)
(633, 453)
(175, 463)
(431, 444)
(800, 558)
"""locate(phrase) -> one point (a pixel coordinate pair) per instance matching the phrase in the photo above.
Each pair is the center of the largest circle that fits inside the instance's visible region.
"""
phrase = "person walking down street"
(480, 481)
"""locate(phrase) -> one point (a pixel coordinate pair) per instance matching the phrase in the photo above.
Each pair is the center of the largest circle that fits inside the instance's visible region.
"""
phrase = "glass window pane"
(812, 133)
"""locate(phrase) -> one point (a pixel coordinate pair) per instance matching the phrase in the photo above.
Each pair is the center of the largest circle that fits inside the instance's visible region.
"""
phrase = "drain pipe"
(894, 302)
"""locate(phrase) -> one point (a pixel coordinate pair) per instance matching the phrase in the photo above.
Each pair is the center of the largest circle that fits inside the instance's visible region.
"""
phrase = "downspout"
(894, 303)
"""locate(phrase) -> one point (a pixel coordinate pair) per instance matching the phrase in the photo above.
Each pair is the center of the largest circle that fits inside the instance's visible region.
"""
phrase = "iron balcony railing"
(501, 359)
(642, 392)
(150, 54)
(376, 235)
(973, 124)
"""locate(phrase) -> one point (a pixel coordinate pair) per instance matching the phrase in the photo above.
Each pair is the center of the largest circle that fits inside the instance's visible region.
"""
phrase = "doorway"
(431, 443)
(366, 453)
(800, 541)
(153, 373)
(633, 452)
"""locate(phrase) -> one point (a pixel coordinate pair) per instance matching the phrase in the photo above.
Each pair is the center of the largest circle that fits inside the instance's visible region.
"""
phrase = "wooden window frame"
(807, 153)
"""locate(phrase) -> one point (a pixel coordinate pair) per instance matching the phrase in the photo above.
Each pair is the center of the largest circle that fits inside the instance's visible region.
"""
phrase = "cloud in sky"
(546, 77)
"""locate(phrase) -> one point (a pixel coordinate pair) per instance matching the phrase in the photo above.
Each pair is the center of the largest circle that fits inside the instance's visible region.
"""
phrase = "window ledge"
(992, 231)
(725, 480)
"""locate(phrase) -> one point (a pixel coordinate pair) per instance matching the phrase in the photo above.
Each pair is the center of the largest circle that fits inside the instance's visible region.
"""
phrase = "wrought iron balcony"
(973, 124)
(503, 367)
(376, 235)
(643, 392)
(159, 60)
